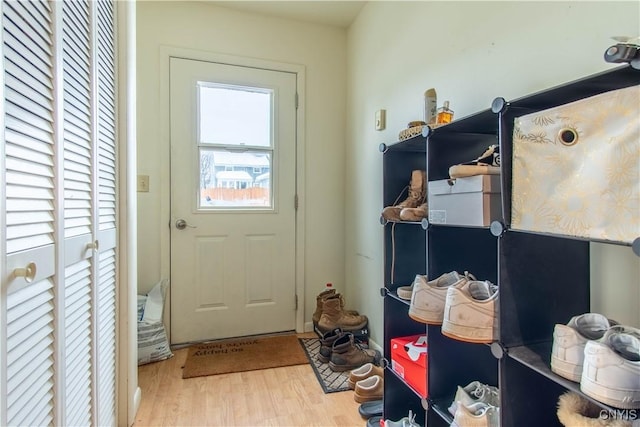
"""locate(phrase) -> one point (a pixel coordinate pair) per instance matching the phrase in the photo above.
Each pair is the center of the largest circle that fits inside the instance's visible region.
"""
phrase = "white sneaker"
(611, 371)
(405, 292)
(428, 298)
(475, 392)
(471, 312)
(477, 414)
(567, 351)
(408, 421)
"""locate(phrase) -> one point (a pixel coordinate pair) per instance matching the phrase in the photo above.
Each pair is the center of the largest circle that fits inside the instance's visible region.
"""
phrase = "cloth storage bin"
(576, 168)
(473, 200)
(409, 361)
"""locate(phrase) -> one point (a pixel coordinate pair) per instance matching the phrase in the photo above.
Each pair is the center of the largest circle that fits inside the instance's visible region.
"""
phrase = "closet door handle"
(28, 272)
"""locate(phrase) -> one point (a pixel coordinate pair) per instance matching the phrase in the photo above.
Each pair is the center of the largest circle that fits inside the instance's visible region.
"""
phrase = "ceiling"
(335, 13)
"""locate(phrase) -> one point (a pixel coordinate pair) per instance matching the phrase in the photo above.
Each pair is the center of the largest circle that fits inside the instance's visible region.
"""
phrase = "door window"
(235, 146)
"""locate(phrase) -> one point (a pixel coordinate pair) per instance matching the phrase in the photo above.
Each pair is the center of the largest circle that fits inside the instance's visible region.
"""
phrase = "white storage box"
(473, 200)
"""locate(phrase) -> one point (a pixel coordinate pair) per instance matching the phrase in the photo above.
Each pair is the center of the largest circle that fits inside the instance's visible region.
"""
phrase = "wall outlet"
(381, 119)
(143, 183)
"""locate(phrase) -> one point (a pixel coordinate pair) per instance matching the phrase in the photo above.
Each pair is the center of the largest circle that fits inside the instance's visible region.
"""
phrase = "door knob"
(181, 224)
(28, 272)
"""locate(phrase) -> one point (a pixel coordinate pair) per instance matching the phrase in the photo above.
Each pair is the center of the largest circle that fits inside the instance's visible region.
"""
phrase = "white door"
(233, 151)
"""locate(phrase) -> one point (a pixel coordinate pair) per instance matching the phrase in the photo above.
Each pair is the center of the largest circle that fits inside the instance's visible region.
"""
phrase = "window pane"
(235, 180)
(233, 116)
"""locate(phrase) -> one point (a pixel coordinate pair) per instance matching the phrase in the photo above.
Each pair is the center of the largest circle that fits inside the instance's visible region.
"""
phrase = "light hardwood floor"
(287, 396)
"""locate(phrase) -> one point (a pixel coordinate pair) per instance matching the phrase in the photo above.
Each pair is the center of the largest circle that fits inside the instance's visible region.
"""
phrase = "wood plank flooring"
(287, 396)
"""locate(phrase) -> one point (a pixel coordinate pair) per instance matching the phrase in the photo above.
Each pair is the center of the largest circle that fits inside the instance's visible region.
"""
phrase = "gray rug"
(330, 381)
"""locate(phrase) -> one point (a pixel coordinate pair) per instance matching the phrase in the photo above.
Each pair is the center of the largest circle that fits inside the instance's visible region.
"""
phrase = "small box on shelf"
(469, 201)
(409, 361)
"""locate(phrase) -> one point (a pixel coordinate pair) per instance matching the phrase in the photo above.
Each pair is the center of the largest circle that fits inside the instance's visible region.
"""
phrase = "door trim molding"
(168, 52)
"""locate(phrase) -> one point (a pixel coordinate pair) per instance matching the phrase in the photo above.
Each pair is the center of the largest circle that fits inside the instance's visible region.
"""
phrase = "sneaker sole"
(565, 369)
(623, 399)
(418, 317)
(467, 333)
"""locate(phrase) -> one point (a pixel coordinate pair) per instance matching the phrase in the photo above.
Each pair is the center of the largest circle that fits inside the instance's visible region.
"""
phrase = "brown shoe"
(369, 389)
(333, 316)
(322, 296)
(346, 355)
(363, 372)
(417, 196)
(326, 344)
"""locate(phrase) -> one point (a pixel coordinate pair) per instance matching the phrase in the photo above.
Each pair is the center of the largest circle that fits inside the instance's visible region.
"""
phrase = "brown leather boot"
(326, 344)
(417, 196)
(320, 303)
(346, 355)
(333, 316)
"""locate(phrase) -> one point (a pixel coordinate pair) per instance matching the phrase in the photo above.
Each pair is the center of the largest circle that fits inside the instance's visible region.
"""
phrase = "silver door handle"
(181, 224)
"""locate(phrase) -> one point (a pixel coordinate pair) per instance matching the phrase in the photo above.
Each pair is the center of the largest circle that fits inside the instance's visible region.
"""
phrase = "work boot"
(414, 214)
(346, 355)
(326, 344)
(417, 196)
(333, 316)
(320, 303)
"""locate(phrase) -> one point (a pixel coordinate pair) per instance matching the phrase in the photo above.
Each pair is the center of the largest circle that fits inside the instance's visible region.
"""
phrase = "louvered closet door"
(28, 376)
(60, 144)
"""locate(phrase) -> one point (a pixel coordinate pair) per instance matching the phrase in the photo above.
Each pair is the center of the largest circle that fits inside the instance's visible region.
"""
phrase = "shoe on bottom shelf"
(471, 312)
(408, 421)
(370, 389)
(475, 392)
(567, 351)
(478, 414)
(574, 410)
(611, 370)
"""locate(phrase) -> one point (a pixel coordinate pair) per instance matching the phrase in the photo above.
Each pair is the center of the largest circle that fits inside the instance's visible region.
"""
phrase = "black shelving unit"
(542, 279)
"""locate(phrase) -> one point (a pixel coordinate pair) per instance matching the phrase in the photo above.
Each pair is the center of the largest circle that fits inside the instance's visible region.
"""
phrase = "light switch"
(381, 119)
(143, 183)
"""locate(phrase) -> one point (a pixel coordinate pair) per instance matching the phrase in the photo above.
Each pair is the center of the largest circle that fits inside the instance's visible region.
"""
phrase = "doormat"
(243, 354)
(329, 380)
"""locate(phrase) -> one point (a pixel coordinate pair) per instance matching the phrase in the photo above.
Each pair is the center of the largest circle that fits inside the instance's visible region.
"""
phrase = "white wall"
(321, 50)
(471, 52)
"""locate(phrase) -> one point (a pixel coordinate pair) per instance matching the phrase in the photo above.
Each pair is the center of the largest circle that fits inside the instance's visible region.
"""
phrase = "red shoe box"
(409, 361)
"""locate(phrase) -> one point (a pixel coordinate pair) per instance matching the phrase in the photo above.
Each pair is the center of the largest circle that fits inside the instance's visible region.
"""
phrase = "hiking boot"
(333, 316)
(487, 164)
(414, 214)
(471, 312)
(326, 342)
(416, 197)
(429, 297)
(567, 351)
(369, 389)
(347, 356)
(320, 302)
(363, 372)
